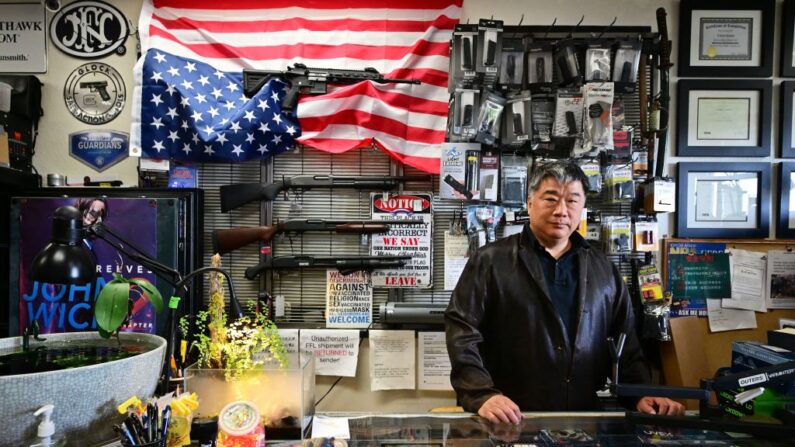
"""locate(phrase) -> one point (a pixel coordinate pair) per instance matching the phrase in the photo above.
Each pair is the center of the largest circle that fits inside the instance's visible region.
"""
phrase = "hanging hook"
(521, 19)
(550, 27)
(576, 26)
(607, 28)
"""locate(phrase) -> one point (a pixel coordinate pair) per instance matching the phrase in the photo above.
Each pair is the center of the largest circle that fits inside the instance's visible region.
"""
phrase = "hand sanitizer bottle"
(46, 432)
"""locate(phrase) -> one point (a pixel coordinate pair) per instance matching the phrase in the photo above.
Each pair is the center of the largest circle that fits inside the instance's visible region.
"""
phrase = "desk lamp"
(67, 260)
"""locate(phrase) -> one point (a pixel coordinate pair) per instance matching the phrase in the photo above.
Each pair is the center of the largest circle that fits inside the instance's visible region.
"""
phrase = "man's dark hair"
(563, 171)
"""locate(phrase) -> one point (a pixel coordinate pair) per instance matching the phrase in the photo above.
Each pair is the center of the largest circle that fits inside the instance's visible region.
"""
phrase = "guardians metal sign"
(99, 149)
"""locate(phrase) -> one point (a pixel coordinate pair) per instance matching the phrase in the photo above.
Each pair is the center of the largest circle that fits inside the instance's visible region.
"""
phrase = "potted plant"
(246, 360)
(113, 305)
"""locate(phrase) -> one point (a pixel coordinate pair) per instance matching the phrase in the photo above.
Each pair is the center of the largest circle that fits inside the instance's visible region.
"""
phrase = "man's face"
(555, 209)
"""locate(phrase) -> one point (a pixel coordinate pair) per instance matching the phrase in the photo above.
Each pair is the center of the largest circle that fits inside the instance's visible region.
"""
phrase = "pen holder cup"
(155, 443)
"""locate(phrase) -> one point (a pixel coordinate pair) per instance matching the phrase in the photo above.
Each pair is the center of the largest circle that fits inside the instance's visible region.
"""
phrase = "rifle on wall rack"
(345, 264)
(238, 194)
(225, 241)
(665, 97)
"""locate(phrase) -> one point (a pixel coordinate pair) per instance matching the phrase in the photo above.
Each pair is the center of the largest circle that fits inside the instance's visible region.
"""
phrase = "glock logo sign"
(95, 93)
(89, 30)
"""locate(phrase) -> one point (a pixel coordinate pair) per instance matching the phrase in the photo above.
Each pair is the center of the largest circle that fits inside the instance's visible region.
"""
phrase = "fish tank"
(285, 397)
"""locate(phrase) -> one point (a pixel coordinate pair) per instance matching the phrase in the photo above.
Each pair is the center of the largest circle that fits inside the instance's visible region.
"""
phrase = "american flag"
(187, 106)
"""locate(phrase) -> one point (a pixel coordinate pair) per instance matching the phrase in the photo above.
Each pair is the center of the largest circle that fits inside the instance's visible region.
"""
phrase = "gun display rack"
(304, 290)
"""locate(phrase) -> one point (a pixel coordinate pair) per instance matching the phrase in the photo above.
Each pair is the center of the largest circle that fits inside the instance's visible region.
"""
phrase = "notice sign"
(349, 299)
(22, 38)
(336, 351)
(404, 240)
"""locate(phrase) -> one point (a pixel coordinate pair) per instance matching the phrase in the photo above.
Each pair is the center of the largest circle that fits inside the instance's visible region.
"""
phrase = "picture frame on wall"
(786, 200)
(722, 118)
(731, 38)
(788, 35)
(787, 119)
(723, 200)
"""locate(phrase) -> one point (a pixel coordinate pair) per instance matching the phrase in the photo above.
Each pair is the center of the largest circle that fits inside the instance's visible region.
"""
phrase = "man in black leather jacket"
(528, 321)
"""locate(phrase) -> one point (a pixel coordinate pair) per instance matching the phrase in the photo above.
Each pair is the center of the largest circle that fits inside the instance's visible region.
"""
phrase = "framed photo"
(723, 200)
(788, 34)
(731, 38)
(787, 119)
(786, 201)
(724, 118)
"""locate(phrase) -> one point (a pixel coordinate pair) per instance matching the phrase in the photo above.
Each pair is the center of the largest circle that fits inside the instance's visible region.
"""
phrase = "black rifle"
(225, 241)
(665, 97)
(303, 79)
(238, 194)
(99, 86)
(345, 264)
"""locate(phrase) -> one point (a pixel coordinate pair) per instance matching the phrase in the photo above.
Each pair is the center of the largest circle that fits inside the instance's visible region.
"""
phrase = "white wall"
(354, 395)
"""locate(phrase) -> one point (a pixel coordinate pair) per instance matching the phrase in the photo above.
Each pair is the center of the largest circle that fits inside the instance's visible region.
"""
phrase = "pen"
(164, 423)
(139, 428)
(130, 426)
(153, 422)
(124, 434)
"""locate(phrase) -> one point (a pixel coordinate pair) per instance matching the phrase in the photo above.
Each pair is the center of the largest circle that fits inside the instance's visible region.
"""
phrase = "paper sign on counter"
(289, 340)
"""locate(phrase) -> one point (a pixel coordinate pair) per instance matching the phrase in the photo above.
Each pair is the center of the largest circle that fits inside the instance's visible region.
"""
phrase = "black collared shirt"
(561, 277)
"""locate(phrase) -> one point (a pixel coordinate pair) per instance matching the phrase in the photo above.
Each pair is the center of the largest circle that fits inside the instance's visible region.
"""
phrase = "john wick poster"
(68, 308)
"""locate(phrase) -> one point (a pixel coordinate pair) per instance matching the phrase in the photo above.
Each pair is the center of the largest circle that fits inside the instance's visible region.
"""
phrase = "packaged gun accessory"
(453, 170)
(568, 114)
(489, 175)
(619, 184)
(488, 123)
(566, 62)
(598, 117)
(465, 112)
(542, 118)
(518, 117)
(489, 49)
(597, 64)
(594, 174)
(512, 64)
(538, 62)
(617, 234)
(646, 236)
(472, 175)
(513, 188)
(626, 65)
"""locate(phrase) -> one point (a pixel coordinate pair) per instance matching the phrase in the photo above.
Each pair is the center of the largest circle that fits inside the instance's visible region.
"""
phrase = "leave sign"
(403, 239)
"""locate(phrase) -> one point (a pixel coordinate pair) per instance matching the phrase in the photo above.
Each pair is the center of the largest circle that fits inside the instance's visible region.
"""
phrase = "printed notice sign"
(336, 351)
(23, 38)
(404, 240)
(349, 299)
(433, 363)
(289, 340)
(392, 360)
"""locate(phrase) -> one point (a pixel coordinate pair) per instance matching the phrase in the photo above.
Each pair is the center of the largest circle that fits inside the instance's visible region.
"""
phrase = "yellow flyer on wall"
(414, 239)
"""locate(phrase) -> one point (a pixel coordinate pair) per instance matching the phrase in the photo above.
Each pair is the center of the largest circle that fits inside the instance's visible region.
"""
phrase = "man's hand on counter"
(660, 405)
(500, 409)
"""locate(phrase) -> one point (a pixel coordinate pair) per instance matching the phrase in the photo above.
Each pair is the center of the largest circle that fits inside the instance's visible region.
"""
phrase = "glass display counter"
(537, 429)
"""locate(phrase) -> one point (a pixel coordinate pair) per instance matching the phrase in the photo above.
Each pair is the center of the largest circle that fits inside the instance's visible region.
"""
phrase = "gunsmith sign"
(89, 30)
(23, 46)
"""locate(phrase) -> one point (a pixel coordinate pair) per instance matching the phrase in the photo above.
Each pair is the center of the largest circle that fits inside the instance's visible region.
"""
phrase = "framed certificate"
(723, 200)
(786, 201)
(788, 34)
(787, 119)
(724, 118)
(732, 38)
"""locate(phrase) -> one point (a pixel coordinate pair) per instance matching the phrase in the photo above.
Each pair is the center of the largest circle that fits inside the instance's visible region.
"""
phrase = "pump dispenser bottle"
(46, 433)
